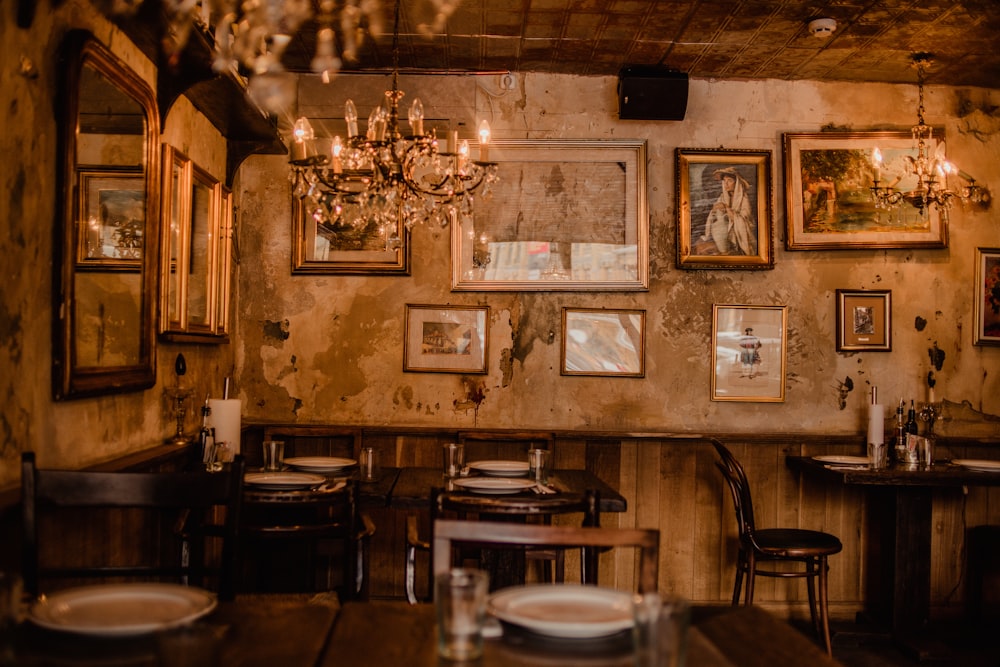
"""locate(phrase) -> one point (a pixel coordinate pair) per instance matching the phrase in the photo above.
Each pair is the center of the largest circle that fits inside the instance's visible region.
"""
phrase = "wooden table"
(413, 488)
(719, 637)
(899, 512)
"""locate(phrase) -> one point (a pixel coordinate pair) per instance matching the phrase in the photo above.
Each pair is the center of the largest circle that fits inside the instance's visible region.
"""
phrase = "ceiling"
(725, 39)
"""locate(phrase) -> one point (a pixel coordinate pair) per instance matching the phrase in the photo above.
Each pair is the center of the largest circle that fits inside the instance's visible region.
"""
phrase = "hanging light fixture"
(382, 176)
(931, 171)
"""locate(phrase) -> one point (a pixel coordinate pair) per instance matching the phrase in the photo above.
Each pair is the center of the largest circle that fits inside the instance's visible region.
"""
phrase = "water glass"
(538, 465)
(878, 455)
(274, 455)
(367, 465)
(454, 459)
(661, 629)
(460, 603)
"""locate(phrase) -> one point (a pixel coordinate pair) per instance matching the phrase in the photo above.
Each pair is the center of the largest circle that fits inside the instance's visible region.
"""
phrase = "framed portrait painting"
(596, 341)
(723, 203)
(445, 339)
(828, 196)
(748, 353)
(864, 320)
(987, 296)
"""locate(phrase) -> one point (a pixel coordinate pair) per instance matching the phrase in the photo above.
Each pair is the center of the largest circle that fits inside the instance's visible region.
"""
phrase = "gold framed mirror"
(104, 333)
(197, 241)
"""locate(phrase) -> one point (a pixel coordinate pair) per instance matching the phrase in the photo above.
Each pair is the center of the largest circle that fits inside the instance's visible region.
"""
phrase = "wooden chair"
(780, 545)
(503, 445)
(173, 512)
(450, 534)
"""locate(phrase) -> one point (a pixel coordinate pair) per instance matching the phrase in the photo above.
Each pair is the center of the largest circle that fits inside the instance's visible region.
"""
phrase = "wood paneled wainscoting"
(671, 483)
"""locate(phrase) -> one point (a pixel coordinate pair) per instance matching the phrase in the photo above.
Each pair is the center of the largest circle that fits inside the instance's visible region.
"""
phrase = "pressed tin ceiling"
(724, 39)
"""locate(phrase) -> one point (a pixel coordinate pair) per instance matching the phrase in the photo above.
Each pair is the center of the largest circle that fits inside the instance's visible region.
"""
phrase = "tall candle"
(225, 419)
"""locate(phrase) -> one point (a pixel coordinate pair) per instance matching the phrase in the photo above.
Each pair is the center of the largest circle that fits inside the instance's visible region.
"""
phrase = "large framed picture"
(748, 353)
(864, 320)
(723, 203)
(564, 215)
(445, 339)
(112, 222)
(341, 243)
(828, 179)
(603, 342)
(987, 297)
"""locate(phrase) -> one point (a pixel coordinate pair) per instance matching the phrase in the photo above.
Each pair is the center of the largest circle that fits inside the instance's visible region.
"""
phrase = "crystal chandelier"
(931, 172)
(382, 176)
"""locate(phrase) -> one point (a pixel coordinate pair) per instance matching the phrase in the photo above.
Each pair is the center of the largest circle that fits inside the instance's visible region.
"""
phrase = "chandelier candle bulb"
(484, 141)
(416, 117)
(351, 116)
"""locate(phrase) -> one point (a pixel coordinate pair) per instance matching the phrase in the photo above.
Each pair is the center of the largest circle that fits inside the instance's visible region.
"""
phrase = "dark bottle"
(911, 420)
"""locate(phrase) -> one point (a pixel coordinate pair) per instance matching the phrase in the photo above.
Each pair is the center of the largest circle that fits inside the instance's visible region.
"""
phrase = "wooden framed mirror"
(104, 332)
(196, 263)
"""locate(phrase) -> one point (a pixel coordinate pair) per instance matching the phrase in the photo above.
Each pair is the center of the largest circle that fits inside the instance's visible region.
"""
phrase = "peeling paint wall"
(329, 348)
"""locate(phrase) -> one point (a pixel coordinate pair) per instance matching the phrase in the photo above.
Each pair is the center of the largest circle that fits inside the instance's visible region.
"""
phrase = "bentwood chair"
(451, 535)
(153, 526)
(811, 548)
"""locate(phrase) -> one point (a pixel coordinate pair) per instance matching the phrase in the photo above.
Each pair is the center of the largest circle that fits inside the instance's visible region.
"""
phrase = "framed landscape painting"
(828, 198)
(596, 341)
(445, 339)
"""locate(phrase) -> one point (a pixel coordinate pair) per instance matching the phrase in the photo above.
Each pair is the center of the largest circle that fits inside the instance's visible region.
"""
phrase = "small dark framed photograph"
(864, 320)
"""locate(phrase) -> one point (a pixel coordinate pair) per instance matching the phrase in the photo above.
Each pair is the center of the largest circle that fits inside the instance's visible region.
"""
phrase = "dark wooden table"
(413, 488)
(899, 512)
(719, 637)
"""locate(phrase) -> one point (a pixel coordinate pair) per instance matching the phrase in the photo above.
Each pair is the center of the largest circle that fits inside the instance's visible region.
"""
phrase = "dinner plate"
(119, 610)
(280, 481)
(501, 468)
(980, 465)
(494, 485)
(843, 460)
(564, 610)
(319, 463)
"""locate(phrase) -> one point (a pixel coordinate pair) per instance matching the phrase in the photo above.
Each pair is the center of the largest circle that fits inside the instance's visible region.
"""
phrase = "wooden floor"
(951, 645)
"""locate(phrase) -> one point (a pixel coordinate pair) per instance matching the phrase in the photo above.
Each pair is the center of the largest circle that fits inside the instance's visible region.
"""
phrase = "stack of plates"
(978, 465)
(282, 481)
(843, 460)
(500, 468)
(320, 464)
(121, 610)
(564, 611)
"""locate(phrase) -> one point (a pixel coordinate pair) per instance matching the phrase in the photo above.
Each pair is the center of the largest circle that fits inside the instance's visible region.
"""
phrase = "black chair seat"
(795, 542)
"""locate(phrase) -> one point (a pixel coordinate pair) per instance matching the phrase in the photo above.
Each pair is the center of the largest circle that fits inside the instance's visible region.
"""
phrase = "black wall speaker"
(646, 93)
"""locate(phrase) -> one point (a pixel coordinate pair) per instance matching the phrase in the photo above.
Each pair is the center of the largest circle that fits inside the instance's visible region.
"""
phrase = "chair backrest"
(450, 533)
(732, 472)
(190, 499)
(339, 441)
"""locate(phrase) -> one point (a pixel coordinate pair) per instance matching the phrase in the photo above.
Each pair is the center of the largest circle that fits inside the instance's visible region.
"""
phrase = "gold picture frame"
(748, 353)
(603, 342)
(446, 339)
(724, 212)
(565, 214)
(987, 297)
(828, 178)
(864, 320)
(111, 228)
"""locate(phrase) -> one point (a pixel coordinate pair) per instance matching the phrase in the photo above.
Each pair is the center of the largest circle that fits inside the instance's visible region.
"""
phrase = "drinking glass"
(274, 455)
(460, 603)
(454, 459)
(538, 465)
(368, 465)
(661, 628)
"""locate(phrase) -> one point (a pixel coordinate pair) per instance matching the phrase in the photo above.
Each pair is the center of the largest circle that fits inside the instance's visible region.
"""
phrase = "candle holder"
(929, 413)
(178, 396)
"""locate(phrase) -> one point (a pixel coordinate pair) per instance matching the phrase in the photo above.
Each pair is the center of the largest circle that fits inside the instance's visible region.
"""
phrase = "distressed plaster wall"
(329, 348)
(79, 432)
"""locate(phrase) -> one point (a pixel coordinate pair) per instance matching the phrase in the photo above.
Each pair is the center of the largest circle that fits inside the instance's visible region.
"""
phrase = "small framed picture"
(445, 339)
(724, 209)
(603, 342)
(748, 353)
(987, 297)
(111, 233)
(864, 320)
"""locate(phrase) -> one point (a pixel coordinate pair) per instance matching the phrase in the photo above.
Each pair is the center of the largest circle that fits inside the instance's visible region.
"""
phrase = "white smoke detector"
(822, 28)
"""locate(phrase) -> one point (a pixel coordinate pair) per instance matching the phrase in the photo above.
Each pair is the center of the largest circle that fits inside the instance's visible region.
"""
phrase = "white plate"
(280, 481)
(979, 465)
(843, 460)
(121, 610)
(501, 468)
(494, 485)
(564, 610)
(319, 463)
